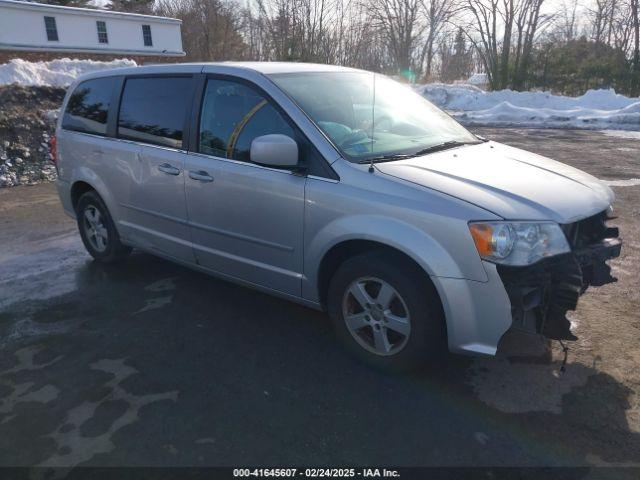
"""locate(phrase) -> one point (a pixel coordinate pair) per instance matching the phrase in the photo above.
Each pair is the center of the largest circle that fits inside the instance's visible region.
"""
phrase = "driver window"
(233, 115)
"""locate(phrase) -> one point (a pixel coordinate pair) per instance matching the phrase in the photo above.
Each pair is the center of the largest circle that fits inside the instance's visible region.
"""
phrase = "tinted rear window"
(153, 110)
(88, 106)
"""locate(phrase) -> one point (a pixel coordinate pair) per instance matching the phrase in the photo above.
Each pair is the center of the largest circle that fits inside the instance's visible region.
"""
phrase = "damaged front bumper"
(541, 294)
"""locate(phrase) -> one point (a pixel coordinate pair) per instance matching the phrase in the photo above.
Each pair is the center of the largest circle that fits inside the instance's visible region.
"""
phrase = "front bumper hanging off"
(541, 294)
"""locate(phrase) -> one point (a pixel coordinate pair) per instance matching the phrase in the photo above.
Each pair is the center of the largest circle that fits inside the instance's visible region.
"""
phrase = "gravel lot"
(152, 364)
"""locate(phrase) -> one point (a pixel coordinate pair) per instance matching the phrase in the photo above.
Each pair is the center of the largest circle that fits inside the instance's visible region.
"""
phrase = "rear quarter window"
(88, 106)
(153, 109)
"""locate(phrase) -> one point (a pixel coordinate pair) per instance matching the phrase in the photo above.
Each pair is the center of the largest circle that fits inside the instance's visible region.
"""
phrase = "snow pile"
(596, 109)
(478, 79)
(56, 73)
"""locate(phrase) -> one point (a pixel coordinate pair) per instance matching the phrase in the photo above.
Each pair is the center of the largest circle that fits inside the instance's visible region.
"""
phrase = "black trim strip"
(114, 107)
(156, 214)
(247, 238)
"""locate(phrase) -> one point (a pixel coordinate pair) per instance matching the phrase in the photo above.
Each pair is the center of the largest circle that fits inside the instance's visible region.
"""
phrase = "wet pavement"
(149, 363)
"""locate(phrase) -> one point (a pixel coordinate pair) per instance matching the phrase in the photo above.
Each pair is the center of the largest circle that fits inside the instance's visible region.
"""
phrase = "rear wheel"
(386, 311)
(98, 231)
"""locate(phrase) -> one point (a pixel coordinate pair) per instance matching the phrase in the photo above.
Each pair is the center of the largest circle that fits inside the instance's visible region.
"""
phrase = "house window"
(50, 27)
(102, 32)
(146, 35)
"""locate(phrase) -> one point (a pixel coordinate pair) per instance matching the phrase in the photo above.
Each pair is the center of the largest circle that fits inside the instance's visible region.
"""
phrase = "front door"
(246, 220)
(152, 116)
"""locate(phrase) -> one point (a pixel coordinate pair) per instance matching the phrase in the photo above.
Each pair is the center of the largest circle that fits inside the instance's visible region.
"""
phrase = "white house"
(35, 27)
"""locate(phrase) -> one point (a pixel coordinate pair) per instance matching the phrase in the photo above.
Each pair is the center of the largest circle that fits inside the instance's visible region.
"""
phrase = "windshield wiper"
(403, 156)
(387, 158)
(442, 146)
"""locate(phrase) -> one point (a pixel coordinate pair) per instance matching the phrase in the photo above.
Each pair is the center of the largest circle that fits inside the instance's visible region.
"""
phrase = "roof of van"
(285, 67)
(261, 67)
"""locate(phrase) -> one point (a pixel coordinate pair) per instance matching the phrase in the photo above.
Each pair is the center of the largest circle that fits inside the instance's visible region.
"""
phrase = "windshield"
(371, 117)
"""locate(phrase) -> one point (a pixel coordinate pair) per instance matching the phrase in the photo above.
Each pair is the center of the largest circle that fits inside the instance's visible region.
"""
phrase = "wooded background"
(563, 46)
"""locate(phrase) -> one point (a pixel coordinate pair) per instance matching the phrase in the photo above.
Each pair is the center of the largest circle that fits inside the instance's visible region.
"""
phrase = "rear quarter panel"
(102, 162)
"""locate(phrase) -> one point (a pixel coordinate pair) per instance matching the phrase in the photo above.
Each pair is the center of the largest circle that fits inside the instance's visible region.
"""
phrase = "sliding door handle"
(170, 169)
(200, 175)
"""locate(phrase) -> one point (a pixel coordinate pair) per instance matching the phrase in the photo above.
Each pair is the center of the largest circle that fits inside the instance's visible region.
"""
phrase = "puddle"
(26, 391)
(72, 447)
(161, 286)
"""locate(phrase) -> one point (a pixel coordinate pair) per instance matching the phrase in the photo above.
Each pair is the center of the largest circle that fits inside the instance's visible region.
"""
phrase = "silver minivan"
(337, 188)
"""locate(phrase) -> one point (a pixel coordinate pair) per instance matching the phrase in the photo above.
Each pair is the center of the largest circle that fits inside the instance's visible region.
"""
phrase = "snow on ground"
(596, 109)
(478, 79)
(629, 182)
(56, 73)
(622, 134)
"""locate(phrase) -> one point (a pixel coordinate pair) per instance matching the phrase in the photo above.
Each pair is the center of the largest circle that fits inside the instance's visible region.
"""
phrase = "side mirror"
(274, 150)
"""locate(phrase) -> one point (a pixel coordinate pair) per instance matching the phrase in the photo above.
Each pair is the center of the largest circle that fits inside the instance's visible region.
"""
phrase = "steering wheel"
(359, 134)
(353, 137)
(378, 121)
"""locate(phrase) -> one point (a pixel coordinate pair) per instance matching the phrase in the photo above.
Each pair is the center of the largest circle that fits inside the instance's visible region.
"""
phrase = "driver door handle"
(200, 175)
(169, 169)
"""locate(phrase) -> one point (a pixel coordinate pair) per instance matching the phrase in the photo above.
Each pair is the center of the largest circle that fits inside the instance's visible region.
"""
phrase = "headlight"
(518, 243)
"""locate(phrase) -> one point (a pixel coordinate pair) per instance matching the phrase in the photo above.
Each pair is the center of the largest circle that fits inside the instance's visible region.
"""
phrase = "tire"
(412, 321)
(97, 230)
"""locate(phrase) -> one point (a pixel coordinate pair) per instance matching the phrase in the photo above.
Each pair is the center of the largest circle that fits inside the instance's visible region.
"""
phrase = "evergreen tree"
(132, 6)
(68, 3)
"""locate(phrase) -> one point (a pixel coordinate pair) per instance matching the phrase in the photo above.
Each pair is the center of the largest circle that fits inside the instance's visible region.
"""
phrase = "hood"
(512, 183)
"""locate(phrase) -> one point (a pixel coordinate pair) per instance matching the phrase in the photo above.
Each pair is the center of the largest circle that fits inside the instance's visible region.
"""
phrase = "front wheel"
(386, 311)
(98, 231)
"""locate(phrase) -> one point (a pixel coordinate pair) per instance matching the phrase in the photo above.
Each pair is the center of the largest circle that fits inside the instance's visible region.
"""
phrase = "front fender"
(425, 250)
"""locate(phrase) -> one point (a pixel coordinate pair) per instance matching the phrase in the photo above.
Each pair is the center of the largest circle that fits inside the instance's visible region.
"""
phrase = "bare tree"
(361, 43)
(566, 21)
(483, 34)
(602, 16)
(528, 22)
(399, 22)
(634, 4)
(438, 13)
(496, 25)
(508, 39)
(211, 29)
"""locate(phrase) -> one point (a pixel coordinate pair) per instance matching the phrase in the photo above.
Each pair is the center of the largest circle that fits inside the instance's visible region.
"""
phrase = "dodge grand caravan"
(339, 189)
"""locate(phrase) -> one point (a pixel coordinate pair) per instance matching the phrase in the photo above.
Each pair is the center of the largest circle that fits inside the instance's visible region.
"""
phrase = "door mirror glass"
(275, 150)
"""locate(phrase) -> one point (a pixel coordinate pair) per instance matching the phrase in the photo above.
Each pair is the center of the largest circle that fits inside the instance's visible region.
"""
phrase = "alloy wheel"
(95, 230)
(376, 316)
